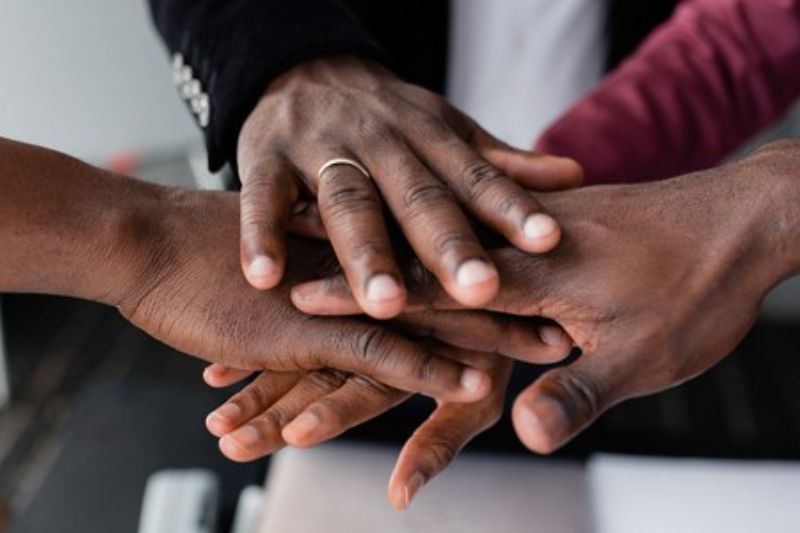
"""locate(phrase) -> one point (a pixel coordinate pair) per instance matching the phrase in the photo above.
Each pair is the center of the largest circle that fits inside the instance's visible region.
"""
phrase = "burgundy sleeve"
(707, 80)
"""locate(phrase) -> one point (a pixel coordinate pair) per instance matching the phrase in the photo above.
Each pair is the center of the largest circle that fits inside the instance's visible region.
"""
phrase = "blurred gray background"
(89, 78)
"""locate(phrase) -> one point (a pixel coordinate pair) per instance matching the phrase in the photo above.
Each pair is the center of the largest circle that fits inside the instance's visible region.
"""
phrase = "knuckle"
(344, 195)
(478, 177)
(448, 242)
(433, 130)
(273, 418)
(420, 197)
(372, 346)
(327, 379)
(580, 396)
(371, 387)
(425, 369)
(332, 410)
(377, 135)
(254, 396)
(259, 181)
(514, 202)
(442, 453)
(367, 249)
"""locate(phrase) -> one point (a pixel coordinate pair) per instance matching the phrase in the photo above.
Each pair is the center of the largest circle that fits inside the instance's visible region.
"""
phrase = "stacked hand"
(430, 165)
(655, 283)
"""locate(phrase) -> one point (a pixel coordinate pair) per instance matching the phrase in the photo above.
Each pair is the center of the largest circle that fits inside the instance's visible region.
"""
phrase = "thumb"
(563, 402)
(532, 170)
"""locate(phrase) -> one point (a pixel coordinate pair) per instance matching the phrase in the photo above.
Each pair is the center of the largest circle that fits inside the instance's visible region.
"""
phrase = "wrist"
(116, 239)
(773, 172)
(131, 249)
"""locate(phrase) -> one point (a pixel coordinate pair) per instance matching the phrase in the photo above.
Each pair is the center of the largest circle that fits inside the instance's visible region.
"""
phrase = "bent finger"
(351, 211)
(269, 189)
(261, 435)
(437, 442)
(490, 195)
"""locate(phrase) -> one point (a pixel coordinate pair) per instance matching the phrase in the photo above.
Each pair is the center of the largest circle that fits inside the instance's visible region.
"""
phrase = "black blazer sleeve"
(225, 52)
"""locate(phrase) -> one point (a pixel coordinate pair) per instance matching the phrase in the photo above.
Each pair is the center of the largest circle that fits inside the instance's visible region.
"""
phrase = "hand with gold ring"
(349, 134)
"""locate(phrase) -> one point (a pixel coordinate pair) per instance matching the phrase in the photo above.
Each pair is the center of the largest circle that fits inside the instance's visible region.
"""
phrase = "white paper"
(654, 495)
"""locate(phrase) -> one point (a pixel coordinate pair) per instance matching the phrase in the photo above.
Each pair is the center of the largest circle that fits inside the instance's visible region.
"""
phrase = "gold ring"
(343, 161)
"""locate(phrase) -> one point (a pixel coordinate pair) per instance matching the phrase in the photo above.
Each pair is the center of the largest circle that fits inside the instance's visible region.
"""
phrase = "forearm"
(709, 79)
(65, 226)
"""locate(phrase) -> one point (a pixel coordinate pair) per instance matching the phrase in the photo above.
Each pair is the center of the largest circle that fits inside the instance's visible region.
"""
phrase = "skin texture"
(304, 410)
(167, 259)
(431, 166)
(655, 283)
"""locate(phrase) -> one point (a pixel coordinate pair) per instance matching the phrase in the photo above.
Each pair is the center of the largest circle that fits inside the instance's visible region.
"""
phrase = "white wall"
(88, 77)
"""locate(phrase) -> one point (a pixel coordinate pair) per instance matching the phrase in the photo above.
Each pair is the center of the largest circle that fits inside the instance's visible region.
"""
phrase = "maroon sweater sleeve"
(715, 74)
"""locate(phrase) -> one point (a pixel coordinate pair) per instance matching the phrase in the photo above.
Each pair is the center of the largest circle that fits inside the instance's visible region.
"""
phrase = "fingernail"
(415, 482)
(306, 292)
(538, 226)
(261, 267)
(244, 437)
(473, 380)
(551, 335)
(474, 272)
(224, 416)
(299, 207)
(304, 424)
(547, 424)
(383, 287)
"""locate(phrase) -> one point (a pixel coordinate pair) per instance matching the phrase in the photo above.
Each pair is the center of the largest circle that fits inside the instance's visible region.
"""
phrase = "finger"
(389, 358)
(432, 447)
(306, 222)
(435, 444)
(218, 375)
(357, 401)
(269, 189)
(491, 196)
(351, 212)
(531, 170)
(518, 297)
(564, 401)
(532, 341)
(261, 435)
(332, 296)
(254, 398)
(432, 222)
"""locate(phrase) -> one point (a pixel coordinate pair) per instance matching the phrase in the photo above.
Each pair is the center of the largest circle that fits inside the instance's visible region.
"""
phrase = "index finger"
(437, 442)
